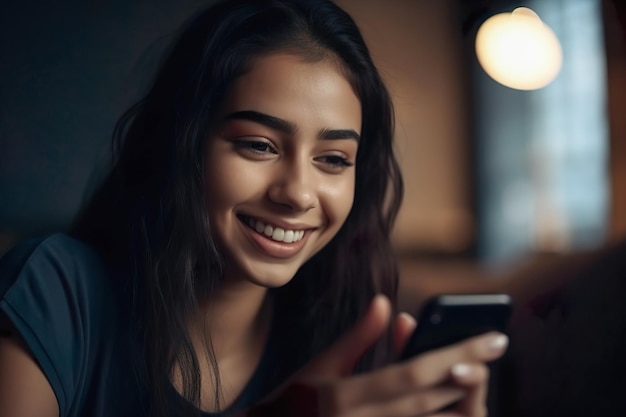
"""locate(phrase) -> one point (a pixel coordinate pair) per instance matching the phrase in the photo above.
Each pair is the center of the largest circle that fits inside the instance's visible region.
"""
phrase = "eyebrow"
(288, 127)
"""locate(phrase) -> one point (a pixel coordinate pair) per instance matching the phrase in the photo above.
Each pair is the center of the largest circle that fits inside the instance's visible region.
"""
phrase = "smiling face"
(279, 166)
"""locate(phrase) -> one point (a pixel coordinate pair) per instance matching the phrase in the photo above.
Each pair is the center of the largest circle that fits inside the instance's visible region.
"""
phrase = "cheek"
(229, 183)
(341, 197)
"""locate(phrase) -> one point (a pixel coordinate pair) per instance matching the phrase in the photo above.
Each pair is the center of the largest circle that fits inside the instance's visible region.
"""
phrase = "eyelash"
(258, 147)
(253, 146)
(336, 161)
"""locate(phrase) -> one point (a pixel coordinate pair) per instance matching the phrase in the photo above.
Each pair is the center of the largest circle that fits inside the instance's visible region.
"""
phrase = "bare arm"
(24, 389)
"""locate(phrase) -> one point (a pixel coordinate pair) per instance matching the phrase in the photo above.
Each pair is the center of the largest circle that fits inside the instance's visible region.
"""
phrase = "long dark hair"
(149, 214)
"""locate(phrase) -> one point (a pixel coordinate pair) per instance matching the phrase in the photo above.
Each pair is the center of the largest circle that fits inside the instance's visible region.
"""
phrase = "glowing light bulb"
(518, 50)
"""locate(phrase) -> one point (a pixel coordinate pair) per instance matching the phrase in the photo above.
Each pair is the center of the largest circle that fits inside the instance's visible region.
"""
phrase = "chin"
(268, 275)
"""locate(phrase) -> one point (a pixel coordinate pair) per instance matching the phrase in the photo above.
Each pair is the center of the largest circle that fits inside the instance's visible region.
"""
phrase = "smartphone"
(448, 319)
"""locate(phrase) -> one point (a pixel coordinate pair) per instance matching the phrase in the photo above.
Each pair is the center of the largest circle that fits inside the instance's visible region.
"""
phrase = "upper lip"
(280, 223)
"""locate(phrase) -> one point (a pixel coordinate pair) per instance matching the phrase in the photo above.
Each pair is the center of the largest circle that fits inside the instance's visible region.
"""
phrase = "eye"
(254, 146)
(335, 162)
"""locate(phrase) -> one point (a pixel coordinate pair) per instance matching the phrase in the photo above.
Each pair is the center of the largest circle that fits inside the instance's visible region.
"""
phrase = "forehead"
(286, 86)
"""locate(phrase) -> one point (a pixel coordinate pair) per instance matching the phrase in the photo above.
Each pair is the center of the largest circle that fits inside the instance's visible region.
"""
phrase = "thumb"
(341, 358)
(404, 326)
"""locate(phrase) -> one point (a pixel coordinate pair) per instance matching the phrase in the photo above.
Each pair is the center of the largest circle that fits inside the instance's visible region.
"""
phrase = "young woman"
(236, 260)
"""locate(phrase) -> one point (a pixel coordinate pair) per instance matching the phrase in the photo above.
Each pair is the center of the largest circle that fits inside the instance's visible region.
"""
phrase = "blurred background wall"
(68, 71)
(418, 48)
(492, 174)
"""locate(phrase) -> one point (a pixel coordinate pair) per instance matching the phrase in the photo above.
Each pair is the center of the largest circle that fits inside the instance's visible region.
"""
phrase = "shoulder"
(57, 293)
(57, 280)
(59, 247)
(56, 258)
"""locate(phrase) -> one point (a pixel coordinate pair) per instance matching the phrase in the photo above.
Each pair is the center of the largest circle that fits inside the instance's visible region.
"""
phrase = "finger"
(403, 328)
(342, 356)
(427, 370)
(478, 349)
(469, 374)
(415, 404)
(475, 378)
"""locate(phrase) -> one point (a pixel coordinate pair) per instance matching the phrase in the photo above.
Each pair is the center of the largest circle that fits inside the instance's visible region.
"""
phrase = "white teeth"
(276, 233)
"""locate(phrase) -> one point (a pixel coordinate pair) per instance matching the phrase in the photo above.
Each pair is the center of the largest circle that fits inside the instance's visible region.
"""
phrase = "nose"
(294, 187)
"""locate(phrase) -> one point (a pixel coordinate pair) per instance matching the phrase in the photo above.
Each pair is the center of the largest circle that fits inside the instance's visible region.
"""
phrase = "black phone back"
(449, 319)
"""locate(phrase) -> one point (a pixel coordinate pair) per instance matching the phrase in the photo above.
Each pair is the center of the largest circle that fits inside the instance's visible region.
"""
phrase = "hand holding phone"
(326, 385)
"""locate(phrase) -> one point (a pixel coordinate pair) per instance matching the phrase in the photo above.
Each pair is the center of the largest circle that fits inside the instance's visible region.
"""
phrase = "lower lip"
(273, 248)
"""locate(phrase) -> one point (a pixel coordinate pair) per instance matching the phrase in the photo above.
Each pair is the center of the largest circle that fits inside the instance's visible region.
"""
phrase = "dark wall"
(67, 72)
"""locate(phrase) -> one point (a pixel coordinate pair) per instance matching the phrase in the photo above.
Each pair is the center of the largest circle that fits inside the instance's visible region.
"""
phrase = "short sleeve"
(47, 291)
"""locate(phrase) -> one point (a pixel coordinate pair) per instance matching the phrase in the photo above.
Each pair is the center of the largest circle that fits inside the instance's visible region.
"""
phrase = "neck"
(236, 321)
(235, 317)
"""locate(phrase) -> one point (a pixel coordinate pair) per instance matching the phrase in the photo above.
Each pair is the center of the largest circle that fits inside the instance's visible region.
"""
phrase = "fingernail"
(498, 343)
(408, 317)
(378, 298)
(461, 370)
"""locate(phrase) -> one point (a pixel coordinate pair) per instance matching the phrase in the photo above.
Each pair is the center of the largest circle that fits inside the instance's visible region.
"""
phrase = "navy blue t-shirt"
(74, 313)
